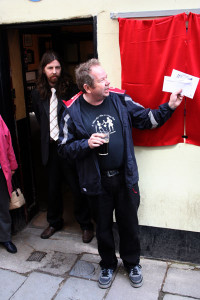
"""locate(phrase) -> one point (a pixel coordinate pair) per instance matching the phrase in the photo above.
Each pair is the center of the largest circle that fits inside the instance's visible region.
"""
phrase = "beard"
(53, 79)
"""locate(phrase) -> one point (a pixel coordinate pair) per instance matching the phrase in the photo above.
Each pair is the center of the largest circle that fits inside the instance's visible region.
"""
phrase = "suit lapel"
(46, 107)
(59, 105)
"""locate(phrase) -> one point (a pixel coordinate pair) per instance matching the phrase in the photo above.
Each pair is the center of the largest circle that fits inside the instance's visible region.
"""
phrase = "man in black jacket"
(52, 86)
(110, 181)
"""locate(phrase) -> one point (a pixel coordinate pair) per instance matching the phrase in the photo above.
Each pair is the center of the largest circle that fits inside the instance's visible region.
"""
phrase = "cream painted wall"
(169, 176)
(169, 185)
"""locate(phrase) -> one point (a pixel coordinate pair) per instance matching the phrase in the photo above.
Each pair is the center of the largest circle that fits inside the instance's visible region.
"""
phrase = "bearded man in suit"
(53, 86)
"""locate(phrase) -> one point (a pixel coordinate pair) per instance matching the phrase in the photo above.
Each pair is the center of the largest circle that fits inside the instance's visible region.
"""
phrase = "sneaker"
(135, 276)
(105, 278)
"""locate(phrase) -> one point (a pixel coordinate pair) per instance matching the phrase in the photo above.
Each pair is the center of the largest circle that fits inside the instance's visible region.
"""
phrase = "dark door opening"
(75, 41)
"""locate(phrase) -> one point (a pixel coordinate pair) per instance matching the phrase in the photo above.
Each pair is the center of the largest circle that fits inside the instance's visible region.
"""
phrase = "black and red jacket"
(73, 139)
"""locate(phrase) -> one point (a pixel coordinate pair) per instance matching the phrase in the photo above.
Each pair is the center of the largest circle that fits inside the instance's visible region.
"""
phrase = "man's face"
(52, 72)
(101, 83)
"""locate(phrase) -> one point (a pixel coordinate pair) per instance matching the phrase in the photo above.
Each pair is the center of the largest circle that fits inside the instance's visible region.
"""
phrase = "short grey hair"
(82, 73)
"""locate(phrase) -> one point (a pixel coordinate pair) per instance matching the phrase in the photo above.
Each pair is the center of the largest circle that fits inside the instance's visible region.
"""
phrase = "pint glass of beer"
(103, 149)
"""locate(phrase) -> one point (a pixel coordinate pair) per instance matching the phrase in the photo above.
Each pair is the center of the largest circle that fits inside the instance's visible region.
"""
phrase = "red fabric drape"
(193, 68)
(151, 49)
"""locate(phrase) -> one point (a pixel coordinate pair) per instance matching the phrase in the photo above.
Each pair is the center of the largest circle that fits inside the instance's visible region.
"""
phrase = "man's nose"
(107, 82)
(54, 70)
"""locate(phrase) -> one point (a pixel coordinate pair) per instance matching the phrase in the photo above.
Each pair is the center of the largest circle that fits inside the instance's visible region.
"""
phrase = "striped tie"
(54, 130)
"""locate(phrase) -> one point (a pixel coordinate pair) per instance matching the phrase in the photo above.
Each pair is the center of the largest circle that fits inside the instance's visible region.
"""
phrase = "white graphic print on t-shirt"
(104, 123)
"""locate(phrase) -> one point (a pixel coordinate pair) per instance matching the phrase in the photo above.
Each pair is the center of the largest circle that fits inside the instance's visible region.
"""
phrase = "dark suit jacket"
(41, 109)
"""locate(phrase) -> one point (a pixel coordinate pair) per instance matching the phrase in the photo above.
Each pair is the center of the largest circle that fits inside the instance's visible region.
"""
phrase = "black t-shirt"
(105, 116)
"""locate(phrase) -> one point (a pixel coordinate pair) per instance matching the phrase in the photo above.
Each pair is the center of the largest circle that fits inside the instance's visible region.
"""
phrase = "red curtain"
(151, 49)
(193, 68)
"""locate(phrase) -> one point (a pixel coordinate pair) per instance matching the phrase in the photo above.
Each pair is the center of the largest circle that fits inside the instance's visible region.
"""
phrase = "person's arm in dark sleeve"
(146, 118)
(69, 145)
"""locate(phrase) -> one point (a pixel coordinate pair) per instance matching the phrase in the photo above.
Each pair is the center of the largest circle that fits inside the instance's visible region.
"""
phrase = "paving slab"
(70, 269)
(18, 262)
(10, 282)
(28, 241)
(174, 297)
(61, 241)
(183, 281)
(153, 273)
(60, 263)
(38, 286)
(80, 289)
(83, 269)
(91, 257)
(184, 266)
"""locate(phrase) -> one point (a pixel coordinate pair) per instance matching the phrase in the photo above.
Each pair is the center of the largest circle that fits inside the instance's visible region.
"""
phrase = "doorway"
(75, 42)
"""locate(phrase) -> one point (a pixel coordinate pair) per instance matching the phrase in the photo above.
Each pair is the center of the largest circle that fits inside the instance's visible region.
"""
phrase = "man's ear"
(87, 88)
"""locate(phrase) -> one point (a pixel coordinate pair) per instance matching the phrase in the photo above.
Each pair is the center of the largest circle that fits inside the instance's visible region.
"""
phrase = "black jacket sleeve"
(146, 118)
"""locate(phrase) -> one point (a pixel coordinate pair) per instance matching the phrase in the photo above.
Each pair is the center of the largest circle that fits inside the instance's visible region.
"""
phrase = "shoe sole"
(104, 286)
(87, 241)
(13, 252)
(44, 237)
(137, 285)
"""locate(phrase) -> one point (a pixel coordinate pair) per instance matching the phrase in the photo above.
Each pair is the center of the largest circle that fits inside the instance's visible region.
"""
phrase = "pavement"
(64, 268)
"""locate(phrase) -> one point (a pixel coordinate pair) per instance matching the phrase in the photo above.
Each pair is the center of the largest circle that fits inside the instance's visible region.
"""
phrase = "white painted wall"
(169, 176)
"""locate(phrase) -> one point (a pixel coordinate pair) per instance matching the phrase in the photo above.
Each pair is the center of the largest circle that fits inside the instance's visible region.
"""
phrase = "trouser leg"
(81, 206)
(5, 219)
(126, 216)
(55, 203)
(104, 232)
(125, 202)
(82, 212)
